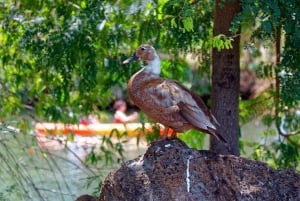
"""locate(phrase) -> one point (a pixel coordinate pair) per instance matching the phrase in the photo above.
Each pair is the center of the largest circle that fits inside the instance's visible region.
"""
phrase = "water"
(52, 170)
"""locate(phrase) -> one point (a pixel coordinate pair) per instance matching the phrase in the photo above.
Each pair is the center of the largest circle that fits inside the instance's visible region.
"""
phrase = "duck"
(167, 101)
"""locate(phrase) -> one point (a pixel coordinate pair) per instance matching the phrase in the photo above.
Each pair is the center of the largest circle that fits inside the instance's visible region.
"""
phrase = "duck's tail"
(217, 135)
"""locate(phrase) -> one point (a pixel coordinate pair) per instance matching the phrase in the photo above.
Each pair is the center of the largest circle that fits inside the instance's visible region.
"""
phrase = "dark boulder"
(169, 170)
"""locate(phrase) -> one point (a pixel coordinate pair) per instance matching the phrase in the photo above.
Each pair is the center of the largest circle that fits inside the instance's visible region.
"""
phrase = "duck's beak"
(131, 59)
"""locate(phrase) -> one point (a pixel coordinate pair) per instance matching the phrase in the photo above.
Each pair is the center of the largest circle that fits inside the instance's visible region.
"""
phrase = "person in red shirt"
(120, 116)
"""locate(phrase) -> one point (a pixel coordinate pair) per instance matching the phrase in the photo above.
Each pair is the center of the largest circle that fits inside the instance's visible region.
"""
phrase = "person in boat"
(120, 115)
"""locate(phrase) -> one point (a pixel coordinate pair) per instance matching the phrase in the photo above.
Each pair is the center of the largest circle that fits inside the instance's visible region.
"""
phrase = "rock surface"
(171, 171)
(85, 198)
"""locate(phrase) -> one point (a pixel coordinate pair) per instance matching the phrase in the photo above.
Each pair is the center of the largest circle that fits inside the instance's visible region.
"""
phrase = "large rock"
(170, 171)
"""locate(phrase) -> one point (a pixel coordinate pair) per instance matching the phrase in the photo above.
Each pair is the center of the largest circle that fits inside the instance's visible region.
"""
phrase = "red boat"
(132, 129)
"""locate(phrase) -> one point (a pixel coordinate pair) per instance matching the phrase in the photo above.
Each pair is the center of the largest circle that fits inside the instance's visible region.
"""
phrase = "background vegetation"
(62, 56)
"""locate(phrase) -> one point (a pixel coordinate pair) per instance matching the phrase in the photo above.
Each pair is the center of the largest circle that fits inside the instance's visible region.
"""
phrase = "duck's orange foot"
(172, 136)
(169, 136)
(167, 133)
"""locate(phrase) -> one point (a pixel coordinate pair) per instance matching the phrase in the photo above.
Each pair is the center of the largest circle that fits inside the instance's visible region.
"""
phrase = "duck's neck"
(153, 66)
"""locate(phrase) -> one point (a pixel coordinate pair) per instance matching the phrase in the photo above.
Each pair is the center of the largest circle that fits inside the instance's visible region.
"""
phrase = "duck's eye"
(142, 48)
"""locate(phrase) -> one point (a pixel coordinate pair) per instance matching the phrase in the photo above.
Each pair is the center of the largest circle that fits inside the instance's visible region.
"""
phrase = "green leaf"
(188, 24)
(173, 23)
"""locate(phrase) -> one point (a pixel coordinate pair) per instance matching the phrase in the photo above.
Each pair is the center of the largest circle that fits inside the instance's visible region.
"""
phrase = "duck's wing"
(201, 105)
(168, 97)
(200, 116)
(160, 94)
(196, 118)
(169, 101)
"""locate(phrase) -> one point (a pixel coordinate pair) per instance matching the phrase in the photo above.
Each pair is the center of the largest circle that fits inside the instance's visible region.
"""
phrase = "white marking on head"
(148, 54)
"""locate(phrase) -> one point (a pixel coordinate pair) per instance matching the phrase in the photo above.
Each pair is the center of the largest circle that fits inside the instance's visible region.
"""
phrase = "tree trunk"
(226, 80)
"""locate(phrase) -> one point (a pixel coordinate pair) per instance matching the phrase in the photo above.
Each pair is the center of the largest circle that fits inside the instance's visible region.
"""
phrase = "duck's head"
(143, 53)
